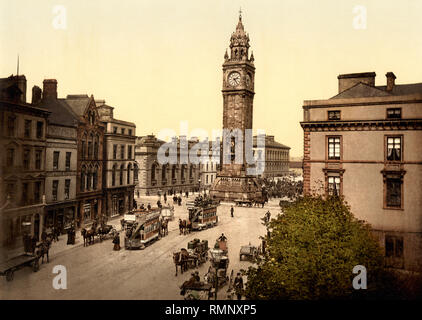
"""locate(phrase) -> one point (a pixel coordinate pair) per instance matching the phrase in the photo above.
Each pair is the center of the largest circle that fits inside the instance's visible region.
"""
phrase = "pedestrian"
(149, 206)
(232, 211)
(238, 285)
(197, 277)
(116, 242)
(165, 198)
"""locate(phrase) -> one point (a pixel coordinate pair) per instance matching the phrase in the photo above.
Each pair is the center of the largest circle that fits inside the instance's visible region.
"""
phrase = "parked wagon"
(8, 268)
(248, 252)
(243, 203)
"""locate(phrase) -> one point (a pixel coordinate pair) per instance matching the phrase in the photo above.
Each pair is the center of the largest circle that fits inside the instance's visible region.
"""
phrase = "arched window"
(88, 180)
(164, 173)
(121, 174)
(90, 146)
(135, 173)
(83, 173)
(95, 179)
(96, 147)
(191, 172)
(173, 172)
(129, 168)
(153, 171)
(113, 175)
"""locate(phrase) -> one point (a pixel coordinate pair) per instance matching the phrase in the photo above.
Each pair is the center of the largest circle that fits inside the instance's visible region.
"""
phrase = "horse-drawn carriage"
(198, 249)
(243, 203)
(167, 213)
(217, 272)
(145, 229)
(89, 232)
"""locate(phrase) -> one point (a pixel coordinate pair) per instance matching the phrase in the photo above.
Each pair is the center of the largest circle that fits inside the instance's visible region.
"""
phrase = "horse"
(42, 249)
(180, 259)
(88, 236)
(164, 228)
(188, 226)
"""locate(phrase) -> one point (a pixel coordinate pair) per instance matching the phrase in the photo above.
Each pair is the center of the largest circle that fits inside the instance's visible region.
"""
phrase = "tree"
(311, 250)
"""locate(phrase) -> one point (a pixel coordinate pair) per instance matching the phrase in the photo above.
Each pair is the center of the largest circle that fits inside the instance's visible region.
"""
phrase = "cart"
(249, 252)
(198, 291)
(8, 268)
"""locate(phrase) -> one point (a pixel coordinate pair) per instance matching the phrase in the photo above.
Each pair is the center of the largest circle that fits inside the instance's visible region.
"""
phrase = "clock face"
(234, 79)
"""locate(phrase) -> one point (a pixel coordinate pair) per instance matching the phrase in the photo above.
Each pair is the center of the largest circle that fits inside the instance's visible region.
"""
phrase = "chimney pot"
(390, 81)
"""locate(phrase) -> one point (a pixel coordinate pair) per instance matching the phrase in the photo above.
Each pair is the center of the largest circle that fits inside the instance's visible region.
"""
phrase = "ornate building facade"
(365, 144)
(154, 178)
(232, 181)
(89, 168)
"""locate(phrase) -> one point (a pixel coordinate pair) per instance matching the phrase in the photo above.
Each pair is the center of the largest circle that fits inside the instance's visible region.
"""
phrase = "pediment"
(361, 90)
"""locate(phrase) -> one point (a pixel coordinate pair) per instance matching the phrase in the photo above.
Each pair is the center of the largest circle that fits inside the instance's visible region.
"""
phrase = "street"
(98, 272)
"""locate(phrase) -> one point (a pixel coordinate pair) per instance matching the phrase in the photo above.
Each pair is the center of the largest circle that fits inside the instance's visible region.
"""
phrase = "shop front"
(60, 216)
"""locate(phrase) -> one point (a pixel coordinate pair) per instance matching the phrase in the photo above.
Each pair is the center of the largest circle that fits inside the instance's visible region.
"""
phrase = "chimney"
(390, 81)
(49, 89)
(36, 94)
(346, 81)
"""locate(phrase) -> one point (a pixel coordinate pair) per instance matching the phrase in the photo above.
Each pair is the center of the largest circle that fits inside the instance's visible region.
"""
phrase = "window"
(67, 189)
(121, 174)
(130, 132)
(135, 173)
(40, 127)
(115, 151)
(89, 149)
(123, 130)
(114, 129)
(129, 167)
(122, 152)
(394, 113)
(334, 185)
(394, 149)
(11, 121)
(83, 150)
(24, 194)
(334, 115)
(113, 176)
(393, 192)
(55, 188)
(334, 148)
(10, 190)
(37, 192)
(394, 249)
(10, 157)
(26, 154)
(68, 156)
(27, 132)
(88, 180)
(95, 150)
(56, 155)
(83, 177)
(94, 180)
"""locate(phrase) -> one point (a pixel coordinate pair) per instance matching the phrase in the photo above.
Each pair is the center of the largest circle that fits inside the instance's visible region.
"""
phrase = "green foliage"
(311, 251)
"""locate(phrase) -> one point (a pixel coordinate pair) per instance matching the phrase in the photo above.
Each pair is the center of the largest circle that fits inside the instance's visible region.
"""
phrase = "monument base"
(229, 188)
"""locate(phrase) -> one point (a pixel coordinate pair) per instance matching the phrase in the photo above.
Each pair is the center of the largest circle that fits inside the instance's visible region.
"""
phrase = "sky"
(159, 62)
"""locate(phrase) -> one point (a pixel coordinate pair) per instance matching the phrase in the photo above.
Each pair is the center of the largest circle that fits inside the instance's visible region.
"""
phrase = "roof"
(360, 90)
(60, 112)
(78, 103)
(404, 89)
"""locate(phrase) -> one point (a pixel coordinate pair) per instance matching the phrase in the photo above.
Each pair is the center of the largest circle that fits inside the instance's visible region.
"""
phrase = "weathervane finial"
(240, 13)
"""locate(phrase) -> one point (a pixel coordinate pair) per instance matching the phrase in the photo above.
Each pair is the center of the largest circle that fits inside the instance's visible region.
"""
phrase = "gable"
(361, 90)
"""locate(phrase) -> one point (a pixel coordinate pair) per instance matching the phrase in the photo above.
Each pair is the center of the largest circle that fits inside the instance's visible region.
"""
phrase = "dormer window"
(334, 115)
(394, 113)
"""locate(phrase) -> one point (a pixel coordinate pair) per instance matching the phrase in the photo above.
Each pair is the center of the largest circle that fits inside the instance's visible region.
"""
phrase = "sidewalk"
(61, 245)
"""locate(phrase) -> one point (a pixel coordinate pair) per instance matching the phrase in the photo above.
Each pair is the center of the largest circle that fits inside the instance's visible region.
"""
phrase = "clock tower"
(238, 92)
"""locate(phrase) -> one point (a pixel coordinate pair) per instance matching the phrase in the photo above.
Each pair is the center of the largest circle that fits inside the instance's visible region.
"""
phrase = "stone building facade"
(232, 180)
(119, 162)
(276, 161)
(154, 178)
(61, 158)
(365, 144)
(22, 169)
